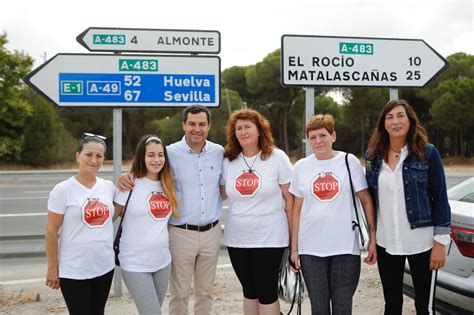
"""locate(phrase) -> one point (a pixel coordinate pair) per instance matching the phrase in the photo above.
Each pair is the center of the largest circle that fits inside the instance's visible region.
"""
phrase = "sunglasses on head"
(88, 134)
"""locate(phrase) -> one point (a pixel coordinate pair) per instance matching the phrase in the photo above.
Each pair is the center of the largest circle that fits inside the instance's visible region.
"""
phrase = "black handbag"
(119, 232)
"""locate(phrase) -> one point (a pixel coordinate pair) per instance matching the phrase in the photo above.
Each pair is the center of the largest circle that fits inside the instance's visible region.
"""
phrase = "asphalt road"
(24, 197)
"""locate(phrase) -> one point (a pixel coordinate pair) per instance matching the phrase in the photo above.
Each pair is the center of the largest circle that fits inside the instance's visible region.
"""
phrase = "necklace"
(397, 153)
(250, 170)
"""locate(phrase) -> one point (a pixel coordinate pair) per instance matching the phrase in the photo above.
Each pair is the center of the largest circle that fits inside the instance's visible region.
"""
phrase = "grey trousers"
(148, 289)
(331, 282)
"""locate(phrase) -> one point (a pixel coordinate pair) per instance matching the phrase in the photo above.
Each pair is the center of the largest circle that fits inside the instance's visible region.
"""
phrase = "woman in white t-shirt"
(145, 258)
(323, 238)
(257, 177)
(81, 259)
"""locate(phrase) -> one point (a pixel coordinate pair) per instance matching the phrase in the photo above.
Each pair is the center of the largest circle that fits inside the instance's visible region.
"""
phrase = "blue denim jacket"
(424, 184)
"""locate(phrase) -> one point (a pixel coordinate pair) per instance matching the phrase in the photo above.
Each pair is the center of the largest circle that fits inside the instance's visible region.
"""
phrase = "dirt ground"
(36, 298)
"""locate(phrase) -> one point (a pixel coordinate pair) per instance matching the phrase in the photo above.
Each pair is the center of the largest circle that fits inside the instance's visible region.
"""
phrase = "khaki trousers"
(193, 253)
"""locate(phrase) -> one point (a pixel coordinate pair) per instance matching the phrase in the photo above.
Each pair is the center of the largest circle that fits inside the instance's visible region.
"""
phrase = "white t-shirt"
(257, 216)
(144, 244)
(327, 212)
(86, 233)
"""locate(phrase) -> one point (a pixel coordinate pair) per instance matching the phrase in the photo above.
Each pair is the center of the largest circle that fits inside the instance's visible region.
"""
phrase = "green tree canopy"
(13, 109)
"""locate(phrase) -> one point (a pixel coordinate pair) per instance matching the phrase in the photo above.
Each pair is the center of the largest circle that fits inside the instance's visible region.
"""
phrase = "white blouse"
(393, 228)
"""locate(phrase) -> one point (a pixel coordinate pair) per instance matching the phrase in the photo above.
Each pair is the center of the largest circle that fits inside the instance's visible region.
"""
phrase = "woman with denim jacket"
(407, 183)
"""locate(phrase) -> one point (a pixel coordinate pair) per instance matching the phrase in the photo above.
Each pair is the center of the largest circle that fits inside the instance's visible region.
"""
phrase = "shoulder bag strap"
(354, 224)
(119, 230)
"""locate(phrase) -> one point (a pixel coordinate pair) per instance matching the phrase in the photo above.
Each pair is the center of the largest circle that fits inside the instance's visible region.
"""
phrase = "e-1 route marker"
(150, 40)
(128, 80)
(357, 61)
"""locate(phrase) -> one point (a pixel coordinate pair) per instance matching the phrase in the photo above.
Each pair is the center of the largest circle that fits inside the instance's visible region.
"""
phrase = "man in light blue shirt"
(196, 166)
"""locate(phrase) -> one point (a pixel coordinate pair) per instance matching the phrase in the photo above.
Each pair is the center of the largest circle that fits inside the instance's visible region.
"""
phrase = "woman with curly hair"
(257, 177)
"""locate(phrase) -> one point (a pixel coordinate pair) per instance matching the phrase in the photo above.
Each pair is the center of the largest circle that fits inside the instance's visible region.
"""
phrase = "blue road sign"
(129, 81)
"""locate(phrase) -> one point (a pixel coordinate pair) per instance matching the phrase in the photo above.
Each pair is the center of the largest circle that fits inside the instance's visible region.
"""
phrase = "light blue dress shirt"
(196, 182)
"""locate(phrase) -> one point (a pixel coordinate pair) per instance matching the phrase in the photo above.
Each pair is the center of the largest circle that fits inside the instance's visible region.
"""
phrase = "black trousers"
(257, 270)
(84, 297)
(391, 270)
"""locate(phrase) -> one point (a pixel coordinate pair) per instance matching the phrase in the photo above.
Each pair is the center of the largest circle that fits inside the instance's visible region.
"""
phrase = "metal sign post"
(393, 94)
(117, 143)
(309, 101)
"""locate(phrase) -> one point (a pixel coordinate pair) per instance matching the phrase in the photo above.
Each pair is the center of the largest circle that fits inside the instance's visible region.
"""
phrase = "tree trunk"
(285, 130)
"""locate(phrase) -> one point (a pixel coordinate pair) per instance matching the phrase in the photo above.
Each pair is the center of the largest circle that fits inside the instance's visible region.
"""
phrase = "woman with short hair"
(324, 243)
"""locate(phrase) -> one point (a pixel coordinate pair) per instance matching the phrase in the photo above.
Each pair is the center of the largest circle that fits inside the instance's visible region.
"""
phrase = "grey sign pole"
(393, 94)
(117, 136)
(309, 101)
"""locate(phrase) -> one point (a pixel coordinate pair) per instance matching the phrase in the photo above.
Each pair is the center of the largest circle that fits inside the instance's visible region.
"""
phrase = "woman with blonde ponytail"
(144, 256)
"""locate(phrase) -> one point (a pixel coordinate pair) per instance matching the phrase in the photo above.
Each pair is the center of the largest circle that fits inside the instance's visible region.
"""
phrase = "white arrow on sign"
(150, 40)
(128, 81)
(357, 61)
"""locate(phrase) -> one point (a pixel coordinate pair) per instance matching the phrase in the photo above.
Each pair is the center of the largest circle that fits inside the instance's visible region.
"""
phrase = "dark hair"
(139, 168)
(319, 121)
(86, 140)
(196, 109)
(417, 138)
(265, 140)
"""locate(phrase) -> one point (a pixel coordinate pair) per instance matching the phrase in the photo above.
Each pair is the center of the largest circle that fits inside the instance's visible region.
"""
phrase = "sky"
(250, 29)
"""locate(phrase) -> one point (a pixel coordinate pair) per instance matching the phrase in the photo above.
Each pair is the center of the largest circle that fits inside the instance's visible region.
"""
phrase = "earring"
(333, 141)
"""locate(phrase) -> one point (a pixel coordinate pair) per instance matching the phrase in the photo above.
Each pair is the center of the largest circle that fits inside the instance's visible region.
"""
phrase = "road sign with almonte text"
(128, 80)
(357, 61)
(150, 40)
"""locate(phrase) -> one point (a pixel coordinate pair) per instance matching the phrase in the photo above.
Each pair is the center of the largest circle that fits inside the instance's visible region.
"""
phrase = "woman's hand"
(438, 256)
(372, 252)
(295, 258)
(52, 278)
(125, 182)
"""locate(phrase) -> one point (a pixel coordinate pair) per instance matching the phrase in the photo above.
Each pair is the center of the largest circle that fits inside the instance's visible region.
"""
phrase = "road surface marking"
(12, 215)
(23, 198)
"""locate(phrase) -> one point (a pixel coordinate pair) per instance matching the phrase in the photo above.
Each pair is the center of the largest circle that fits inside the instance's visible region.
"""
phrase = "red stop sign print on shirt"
(95, 213)
(247, 184)
(325, 187)
(159, 206)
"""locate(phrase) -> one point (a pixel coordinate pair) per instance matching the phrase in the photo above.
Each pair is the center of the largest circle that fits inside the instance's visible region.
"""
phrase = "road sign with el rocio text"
(356, 61)
(150, 40)
(128, 80)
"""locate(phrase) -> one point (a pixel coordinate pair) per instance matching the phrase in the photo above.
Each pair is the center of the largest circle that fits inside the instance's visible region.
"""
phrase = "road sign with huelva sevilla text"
(150, 40)
(128, 80)
(357, 61)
